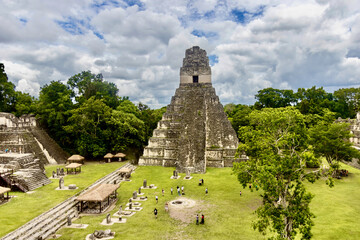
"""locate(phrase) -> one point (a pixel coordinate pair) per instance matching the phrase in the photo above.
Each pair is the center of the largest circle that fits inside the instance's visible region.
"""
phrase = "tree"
(88, 85)
(54, 109)
(88, 127)
(128, 130)
(347, 102)
(7, 92)
(240, 117)
(274, 98)
(314, 100)
(24, 104)
(332, 142)
(274, 142)
(150, 117)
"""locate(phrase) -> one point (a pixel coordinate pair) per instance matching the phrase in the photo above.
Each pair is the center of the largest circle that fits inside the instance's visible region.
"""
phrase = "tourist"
(206, 191)
(178, 190)
(240, 193)
(171, 191)
(162, 191)
(155, 212)
(202, 181)
(182, 190)
(202, 219)
(197, 219)
(166, 206)
(156, 198)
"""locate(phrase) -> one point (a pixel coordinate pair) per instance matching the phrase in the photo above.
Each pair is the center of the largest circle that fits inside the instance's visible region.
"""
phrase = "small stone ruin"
(100, 234)
(24, 150)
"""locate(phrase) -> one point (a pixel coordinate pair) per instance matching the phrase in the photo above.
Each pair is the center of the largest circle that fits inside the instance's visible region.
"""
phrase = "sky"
(139, 44)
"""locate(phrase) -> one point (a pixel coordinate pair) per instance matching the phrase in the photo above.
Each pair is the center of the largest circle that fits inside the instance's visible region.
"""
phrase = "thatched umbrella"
(120, 155)
(108, 156)
(76, 158)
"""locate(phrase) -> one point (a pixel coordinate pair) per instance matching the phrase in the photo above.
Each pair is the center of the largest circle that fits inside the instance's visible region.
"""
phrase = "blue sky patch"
(213, 59)
(23, 20)
(138, 3)
(200, 33)
(99, 35)
(72, 25)
(243, 16)
(99, 5)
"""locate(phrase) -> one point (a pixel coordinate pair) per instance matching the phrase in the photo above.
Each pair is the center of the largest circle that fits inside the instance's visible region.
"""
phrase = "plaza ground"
(227, 214)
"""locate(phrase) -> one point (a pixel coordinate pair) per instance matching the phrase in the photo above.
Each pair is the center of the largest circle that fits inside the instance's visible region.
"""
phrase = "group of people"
(202, 219)
(180, 191)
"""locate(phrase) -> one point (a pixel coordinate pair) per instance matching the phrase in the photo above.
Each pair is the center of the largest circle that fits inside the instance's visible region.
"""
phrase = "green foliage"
(127, 130)
(310, 160)
(7, 92)
(347, 102)
(88, 85)
(313, 100)
(332, 142)
(24, 104)
(53, 110)
(150, 117)
(88, 126)
(274, 98)
(238, 115)
(274, 141)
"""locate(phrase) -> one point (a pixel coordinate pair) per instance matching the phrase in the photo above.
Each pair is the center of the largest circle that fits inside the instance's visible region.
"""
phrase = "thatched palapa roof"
(98, 193)
(76, 158)
(73, 165)
(109, 155)
(4, 190)
(120, 155)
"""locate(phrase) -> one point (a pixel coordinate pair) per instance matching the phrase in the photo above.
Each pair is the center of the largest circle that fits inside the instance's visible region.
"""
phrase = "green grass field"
(25, 207)
(227, 215)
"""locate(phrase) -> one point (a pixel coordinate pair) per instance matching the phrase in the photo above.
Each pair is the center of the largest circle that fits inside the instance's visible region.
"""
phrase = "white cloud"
(278, 44)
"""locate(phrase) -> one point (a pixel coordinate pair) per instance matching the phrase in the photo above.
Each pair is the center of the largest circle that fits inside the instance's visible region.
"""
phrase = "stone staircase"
(49, 144)
(36, 179)
(49, 222)
(194, 133)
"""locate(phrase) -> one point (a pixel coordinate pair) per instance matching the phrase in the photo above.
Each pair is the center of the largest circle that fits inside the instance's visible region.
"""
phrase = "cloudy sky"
(139, 44)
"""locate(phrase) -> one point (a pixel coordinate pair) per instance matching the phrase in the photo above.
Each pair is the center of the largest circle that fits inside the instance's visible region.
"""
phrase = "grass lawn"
(227, 215)
(25, 207)
(337, 209)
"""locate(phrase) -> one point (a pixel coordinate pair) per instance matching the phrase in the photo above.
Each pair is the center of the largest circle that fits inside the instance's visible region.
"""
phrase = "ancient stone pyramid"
(194, 133)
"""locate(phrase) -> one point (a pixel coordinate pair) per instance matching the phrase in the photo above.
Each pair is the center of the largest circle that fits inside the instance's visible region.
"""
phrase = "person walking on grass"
(171, 191)
(162, 191)
(197, 219)
(155, 213)
(206, 191)
(202, 219)
(156, 198)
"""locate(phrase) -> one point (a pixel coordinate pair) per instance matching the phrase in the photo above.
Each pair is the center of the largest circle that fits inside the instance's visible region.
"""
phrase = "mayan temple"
(194, 133)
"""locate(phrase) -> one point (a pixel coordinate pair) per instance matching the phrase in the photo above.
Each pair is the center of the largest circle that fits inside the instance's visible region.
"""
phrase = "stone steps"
(49, 222)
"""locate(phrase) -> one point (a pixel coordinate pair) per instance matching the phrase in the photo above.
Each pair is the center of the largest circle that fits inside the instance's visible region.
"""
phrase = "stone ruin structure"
(354, 129)
(24, 150)
(194, 133)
